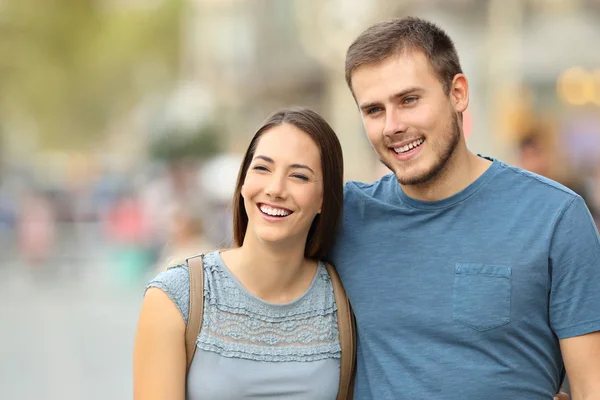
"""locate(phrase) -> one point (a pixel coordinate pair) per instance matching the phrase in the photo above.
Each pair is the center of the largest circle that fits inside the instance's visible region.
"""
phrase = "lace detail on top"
(240, 325)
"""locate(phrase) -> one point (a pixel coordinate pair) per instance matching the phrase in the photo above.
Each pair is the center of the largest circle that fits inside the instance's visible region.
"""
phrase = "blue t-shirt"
(469, 295)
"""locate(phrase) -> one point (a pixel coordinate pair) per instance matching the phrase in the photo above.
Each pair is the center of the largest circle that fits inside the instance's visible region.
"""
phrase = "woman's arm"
(159, 361)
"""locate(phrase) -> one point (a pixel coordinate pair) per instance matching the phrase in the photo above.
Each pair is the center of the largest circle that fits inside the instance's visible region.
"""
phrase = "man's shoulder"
(373, 189)
(536, 185)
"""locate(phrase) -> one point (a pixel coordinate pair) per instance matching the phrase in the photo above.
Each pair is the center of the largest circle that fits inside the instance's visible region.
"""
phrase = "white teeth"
(409, 146)
(275, 212)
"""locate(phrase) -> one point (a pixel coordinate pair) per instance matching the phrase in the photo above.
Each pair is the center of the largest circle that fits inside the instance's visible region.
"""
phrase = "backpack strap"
(194, 324)
(347, 334)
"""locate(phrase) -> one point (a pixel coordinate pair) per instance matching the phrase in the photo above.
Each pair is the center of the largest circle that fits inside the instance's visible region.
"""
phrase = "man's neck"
(461, 170)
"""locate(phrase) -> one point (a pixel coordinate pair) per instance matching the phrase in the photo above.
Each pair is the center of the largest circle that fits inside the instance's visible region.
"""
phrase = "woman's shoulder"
(330, 280)
(326, 269)
(175, 282)
(322, 288)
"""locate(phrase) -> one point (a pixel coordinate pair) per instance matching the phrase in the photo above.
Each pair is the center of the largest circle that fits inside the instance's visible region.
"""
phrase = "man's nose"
(394, 123)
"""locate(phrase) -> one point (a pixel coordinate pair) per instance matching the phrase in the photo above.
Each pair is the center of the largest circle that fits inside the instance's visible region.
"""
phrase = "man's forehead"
(393, 75)
(403, 58)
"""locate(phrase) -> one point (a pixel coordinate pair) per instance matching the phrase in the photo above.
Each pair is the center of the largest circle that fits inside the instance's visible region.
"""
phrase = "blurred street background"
(123, 123)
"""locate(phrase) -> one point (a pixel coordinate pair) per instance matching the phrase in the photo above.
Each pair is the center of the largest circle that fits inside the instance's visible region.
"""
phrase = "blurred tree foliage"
(73, 66)
(200, 144)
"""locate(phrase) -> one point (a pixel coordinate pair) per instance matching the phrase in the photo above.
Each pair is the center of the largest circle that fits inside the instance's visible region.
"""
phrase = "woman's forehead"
(289, 144)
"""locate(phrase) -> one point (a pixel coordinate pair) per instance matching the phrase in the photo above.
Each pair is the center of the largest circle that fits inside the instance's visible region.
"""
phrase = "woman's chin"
(276, 237)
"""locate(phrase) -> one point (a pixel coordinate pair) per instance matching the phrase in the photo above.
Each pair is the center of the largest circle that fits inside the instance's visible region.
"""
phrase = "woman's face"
(283, 189)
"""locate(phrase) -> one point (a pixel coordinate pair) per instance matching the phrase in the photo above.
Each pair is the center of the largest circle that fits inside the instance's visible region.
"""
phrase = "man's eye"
(373, 110)
(410, 100)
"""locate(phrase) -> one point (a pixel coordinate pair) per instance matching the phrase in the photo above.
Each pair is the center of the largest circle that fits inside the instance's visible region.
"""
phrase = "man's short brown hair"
(395, 36)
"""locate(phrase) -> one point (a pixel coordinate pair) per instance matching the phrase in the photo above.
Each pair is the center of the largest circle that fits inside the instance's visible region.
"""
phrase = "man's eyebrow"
(366, 106)
(271, 161)
(412, 89)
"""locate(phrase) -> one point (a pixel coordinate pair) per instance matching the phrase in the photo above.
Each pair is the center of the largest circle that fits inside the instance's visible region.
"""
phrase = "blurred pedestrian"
(36, 229)
(185, 237)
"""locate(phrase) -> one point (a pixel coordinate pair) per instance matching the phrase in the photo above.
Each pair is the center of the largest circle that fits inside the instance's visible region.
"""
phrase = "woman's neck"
(277, 275)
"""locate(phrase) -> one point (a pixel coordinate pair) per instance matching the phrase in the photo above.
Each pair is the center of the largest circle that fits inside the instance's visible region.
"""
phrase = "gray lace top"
(252, 349)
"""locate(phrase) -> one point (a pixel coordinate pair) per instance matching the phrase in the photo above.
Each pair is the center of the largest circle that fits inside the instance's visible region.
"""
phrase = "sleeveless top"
(249, 348)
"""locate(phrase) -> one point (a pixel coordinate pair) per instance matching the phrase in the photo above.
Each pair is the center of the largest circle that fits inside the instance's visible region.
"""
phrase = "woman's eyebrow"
(270, 160)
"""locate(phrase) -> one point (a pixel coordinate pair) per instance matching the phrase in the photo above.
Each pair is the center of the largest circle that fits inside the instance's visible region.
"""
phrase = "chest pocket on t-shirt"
(481, 295)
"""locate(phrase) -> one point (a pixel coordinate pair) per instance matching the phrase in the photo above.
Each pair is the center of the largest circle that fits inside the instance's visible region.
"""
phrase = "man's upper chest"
(428, 268)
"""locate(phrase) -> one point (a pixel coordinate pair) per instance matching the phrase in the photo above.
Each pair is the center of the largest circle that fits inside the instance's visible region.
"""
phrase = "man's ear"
(459, 93)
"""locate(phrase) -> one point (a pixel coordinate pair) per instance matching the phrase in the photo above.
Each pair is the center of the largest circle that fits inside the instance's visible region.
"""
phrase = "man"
(468, 277)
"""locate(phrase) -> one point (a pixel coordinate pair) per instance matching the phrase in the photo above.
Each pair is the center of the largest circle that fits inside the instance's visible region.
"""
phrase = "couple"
(468, 278)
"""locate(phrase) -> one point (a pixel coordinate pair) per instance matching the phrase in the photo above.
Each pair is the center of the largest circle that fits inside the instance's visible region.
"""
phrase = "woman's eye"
(301, 177)
(259, 168)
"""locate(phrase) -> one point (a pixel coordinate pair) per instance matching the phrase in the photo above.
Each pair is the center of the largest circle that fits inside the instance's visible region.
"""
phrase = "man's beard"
(443, 157)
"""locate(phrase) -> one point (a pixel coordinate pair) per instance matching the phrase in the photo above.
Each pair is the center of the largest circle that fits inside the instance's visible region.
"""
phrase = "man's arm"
(575, 297)
(581, 355)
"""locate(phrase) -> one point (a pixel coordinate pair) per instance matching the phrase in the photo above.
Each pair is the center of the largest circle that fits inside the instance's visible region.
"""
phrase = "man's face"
(410, 121)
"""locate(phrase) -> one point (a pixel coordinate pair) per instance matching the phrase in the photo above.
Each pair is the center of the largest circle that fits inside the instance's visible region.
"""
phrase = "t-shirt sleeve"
(175, 282)
(575, 266)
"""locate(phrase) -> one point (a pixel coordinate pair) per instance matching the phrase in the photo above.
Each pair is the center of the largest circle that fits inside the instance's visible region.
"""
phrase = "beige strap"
(347, 337)
(194, 324)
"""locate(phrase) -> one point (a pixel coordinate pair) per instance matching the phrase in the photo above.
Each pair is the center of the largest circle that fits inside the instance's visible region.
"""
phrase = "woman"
(269, 325)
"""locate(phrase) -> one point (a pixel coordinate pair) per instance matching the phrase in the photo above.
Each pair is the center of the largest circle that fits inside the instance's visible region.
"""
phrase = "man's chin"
(414, 176)
(413, 172)
(412, 180)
